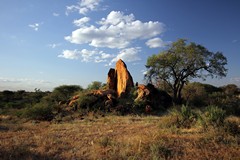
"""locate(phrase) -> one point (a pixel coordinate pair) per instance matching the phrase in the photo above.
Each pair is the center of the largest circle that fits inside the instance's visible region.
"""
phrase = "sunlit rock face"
(152, 96)
(119, 79)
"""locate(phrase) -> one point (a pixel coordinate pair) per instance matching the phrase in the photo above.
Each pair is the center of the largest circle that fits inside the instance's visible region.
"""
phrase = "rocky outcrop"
(95, 99)
(73, 100)
(119, 79)
(112, 80)
(153, 97)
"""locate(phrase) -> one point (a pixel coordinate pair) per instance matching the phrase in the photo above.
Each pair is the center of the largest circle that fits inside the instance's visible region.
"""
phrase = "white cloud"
(34, 26)
(70, 54)
(128, 55)
(116, 17)
(116, 31)
(80, 22)
(54, 45)
(56, 14)
(86, 55)
(83, 6)
(156, 43)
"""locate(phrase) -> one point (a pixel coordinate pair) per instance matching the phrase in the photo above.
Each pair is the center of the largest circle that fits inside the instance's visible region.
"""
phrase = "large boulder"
(112, 80)
(119, 79)
(152, 96)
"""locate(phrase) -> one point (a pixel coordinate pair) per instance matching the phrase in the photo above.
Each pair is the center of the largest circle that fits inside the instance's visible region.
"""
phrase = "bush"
(95, 85)
(230, 103)
(64, 92)
(40, 111)
(185, 117)
(90, 102)
(194, 94)
(215, 115)
(232, 125)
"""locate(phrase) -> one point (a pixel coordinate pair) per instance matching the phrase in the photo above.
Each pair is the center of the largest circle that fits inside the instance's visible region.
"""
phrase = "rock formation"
(153, 97)
(119, 79)
(111, 81)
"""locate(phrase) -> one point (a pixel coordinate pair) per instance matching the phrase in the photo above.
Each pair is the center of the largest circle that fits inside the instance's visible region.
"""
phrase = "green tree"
(230, 89)
(8, 95)
(182, 62)
(64, 92)
(95, 85)
(194, 94)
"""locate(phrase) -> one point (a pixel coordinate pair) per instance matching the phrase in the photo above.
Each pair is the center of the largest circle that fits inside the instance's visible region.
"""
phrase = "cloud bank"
(118, 33)
(115, 31)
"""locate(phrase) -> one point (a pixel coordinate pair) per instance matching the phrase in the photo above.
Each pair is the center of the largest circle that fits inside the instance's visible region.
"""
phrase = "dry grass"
(113, 137)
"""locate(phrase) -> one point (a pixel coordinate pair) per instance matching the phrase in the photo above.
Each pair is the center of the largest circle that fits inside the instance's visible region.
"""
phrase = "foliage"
(231, 89)
(232, 125)
(211, 89)
(185, 117)
(182, 62)
(230, 103)
(194, 94)
(95, 85)
(64, 92)
(40, 111)
(7, 95)
(90, 101)
(20, 99)
(213, 116)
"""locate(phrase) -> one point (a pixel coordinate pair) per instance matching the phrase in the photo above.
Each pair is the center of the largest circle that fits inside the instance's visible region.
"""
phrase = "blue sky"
(47, 43)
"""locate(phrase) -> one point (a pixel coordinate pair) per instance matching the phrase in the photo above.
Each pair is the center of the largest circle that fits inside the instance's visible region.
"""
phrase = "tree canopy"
(183, 61)
(95, 85)
(64, 92)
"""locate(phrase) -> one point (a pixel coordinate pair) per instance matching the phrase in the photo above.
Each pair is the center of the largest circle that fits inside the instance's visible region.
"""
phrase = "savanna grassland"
(118, 137)
(43, 125)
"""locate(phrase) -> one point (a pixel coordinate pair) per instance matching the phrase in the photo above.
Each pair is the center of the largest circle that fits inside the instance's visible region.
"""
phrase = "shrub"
(90, 102)
(232, 125)
(40, 111)
(185, 117)
(64, 92)
(194, 94)
(95, 85)
(213, 116)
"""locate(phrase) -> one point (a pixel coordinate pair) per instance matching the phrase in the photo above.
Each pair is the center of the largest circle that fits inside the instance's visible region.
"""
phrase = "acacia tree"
(95, 85)
(64, 92)
(181, 62)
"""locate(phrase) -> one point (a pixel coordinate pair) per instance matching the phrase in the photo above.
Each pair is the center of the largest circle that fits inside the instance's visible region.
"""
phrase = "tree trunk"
(177, 94)
(175, 97)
